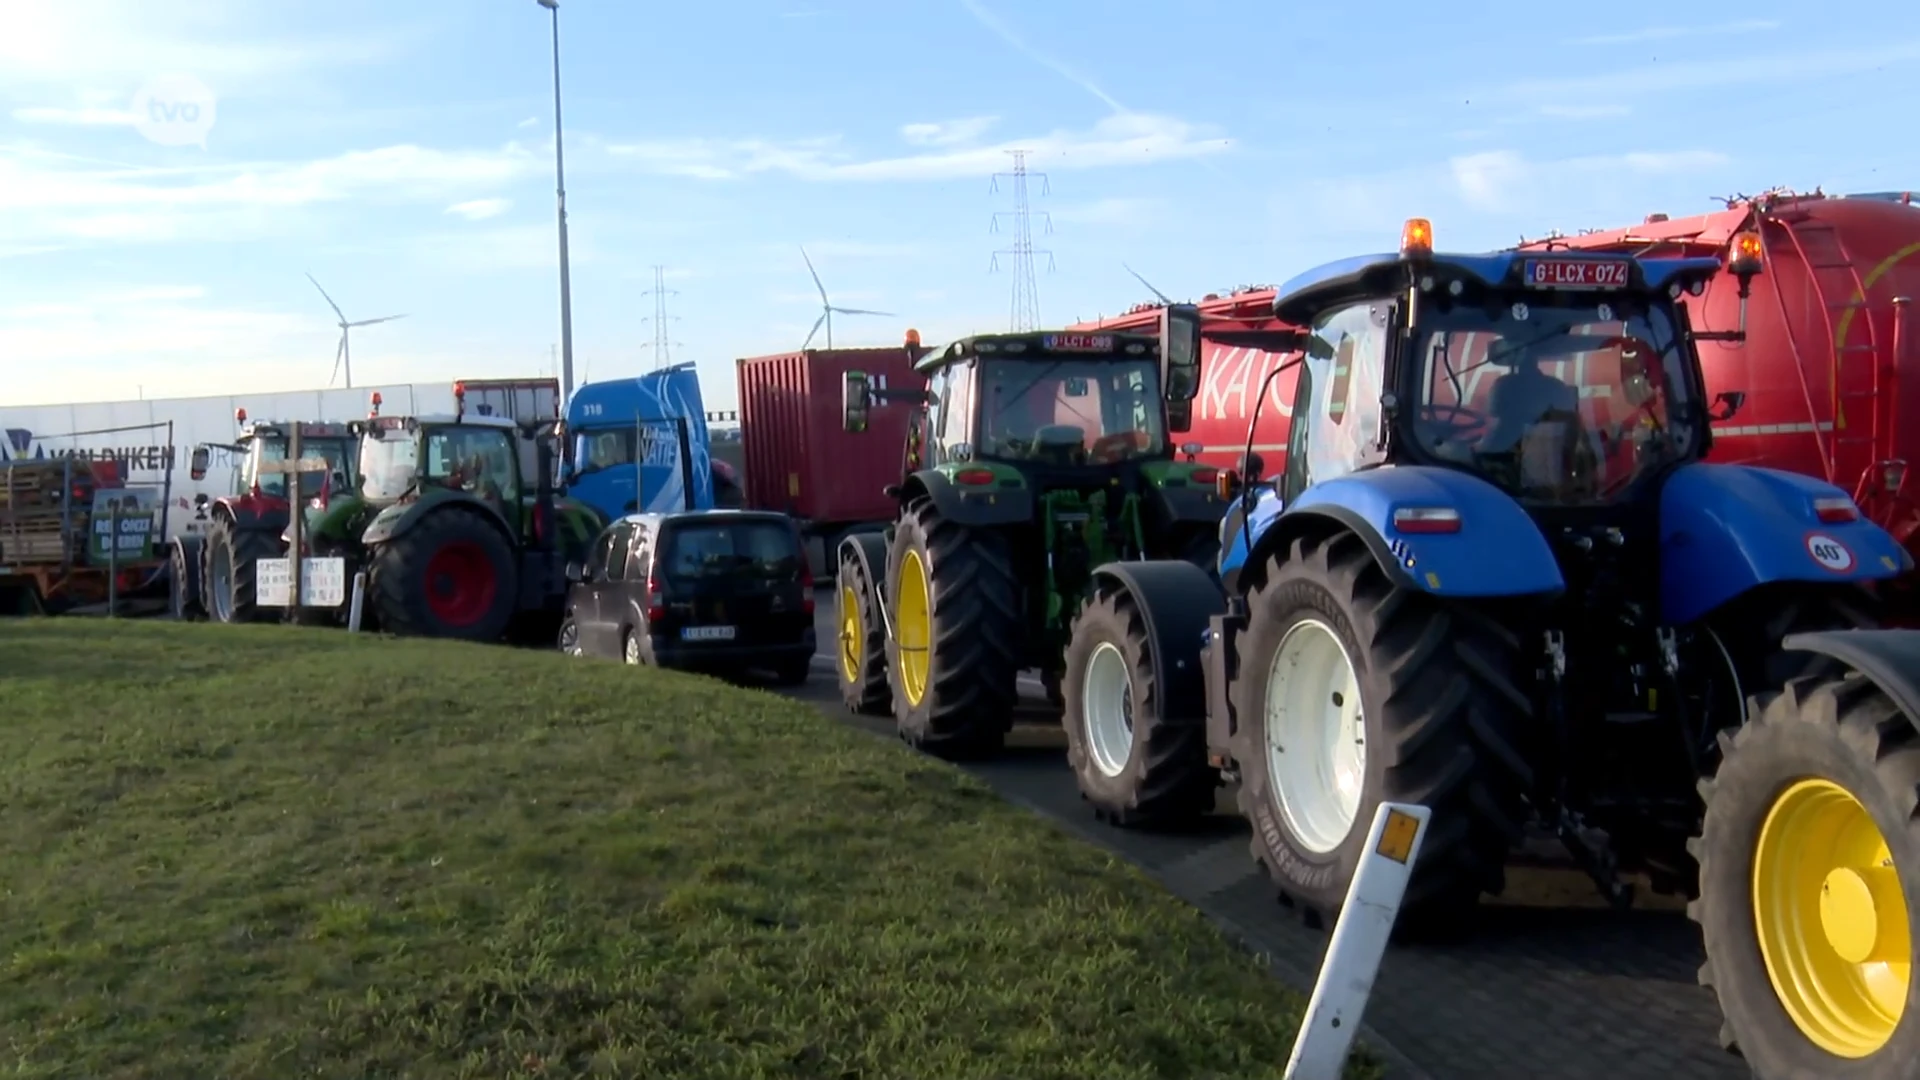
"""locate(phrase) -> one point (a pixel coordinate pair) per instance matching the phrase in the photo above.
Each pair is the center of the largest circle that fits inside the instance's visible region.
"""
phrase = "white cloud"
(480, 209)
(1123, 139)
(1117, 211)
(86, 116)
(531, 121)
(69, 199)
(1582, 112)
(1005, 33)
(947, 132)
(1503, 181)
(1667, 79)
(1668, 33)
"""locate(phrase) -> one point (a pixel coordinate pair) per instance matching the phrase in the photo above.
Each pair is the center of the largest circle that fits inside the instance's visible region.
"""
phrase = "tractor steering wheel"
(1465, 422)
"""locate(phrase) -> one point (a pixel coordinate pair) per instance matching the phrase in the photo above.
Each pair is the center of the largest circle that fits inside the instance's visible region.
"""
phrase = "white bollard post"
(1358, 943)
(357, 605)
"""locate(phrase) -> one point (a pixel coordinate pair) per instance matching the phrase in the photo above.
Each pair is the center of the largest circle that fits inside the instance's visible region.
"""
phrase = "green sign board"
(136, 522)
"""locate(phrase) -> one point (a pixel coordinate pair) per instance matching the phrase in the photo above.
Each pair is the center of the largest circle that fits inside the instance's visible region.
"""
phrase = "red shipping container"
(799, 459)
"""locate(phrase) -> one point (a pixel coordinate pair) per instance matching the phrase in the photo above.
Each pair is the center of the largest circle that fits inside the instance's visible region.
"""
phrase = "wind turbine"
(1136, 276)
(342, 359)
(827, 309)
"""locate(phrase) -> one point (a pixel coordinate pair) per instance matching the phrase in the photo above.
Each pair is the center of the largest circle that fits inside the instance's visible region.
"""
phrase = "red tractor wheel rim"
(460, 583)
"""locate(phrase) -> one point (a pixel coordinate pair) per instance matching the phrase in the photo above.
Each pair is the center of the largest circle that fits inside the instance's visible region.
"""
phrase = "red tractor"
(247, 525)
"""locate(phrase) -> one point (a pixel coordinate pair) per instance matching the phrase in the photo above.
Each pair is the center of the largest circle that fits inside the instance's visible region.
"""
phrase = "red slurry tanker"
(1816, 388)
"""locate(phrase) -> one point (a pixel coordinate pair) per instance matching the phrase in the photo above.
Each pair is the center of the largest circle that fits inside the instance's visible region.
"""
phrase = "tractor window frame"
(1337, 419)
(956, 409)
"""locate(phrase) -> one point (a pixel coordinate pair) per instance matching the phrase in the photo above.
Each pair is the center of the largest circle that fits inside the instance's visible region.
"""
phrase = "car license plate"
(1576, 274)
(707, 633)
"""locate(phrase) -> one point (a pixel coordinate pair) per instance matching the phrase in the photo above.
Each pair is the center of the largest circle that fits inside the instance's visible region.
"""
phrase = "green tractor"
(1030, 459)
(457, 524)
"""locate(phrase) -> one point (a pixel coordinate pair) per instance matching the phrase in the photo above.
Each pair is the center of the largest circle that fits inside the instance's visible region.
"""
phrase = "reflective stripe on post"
(1359, 942)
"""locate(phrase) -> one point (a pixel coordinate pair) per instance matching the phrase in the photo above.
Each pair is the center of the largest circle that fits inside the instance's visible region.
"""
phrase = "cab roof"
(1308, 294)
(1093, 345)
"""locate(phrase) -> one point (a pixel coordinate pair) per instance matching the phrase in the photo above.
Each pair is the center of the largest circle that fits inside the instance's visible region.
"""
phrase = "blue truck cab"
(639, 445)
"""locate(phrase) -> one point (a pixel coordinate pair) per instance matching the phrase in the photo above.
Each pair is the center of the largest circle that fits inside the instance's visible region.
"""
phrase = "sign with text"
(130, 538)
(323, 582)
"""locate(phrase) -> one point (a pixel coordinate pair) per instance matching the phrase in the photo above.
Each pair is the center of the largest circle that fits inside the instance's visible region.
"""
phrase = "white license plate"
(707, 633)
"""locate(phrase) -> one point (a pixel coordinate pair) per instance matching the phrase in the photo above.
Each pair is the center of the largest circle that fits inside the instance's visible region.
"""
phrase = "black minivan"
(707, 590)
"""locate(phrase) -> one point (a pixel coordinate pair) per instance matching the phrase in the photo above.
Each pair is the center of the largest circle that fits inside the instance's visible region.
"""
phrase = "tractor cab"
(404, 457)
(1566, 380)
(265, 442)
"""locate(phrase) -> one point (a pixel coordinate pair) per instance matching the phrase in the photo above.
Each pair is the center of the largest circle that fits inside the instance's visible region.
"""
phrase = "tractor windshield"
(1562, 404)
(1077, 411)
(389, 463)
(266, 451)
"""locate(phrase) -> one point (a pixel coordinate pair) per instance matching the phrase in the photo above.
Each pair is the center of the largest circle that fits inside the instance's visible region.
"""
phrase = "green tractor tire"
(954, 654)
(452, 575)
(1135, 767)
(1809, 857)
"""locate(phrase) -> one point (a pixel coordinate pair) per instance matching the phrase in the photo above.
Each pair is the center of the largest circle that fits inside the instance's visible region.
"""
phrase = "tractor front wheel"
(184, 589)
(450, 576)
(1134, 767)
(861, 647)
(1353, 691)
(1809, 858)
(953, 657)
(232, 595)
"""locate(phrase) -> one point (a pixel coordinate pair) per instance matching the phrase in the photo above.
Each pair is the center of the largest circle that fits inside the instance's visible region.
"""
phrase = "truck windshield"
(1559, 404)
(336, 478)
(1078, 411)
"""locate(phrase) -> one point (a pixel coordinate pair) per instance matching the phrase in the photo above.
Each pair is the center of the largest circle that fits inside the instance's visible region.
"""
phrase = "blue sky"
(402, 153)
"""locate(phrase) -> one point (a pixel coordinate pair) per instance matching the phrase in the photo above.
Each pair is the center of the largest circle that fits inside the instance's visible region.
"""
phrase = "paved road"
(1554, 986)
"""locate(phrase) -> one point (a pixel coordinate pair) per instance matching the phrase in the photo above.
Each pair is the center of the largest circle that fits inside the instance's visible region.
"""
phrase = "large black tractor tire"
(231, 593)
(184, 588)
(1741, 645)
(1135, 768)
(1442, 714)
(860, 639)
(1789, 836)
(972, 631)
(453, 575)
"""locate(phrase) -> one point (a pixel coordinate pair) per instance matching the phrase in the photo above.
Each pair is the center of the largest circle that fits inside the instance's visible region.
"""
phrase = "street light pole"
(560, 195)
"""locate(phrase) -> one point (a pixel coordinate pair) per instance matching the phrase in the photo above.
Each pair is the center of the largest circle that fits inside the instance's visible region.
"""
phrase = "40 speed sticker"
(1829, 552)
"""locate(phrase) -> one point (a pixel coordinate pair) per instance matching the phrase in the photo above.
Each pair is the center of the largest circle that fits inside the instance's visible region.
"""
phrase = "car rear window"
(738, 547)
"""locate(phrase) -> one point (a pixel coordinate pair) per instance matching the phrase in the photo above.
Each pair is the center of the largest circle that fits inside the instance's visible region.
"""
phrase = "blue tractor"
(1495, 577)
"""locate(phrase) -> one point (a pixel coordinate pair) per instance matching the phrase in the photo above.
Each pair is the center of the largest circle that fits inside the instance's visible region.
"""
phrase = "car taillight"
(656, 599)
(974, 477)
(806, 586)
(1836, 511)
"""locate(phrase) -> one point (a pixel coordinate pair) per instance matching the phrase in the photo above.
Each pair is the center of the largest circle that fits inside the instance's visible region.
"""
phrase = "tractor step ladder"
(1859, 376)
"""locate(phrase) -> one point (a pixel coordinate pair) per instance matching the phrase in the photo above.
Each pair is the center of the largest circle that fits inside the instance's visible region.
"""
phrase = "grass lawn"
(240, 852)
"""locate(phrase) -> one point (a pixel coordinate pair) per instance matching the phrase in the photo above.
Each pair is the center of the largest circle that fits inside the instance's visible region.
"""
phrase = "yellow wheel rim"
(852, 636)
(1832, 919)
(913, 626)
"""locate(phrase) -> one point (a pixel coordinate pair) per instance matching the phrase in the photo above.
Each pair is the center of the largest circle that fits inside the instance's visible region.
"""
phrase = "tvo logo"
(174, 110)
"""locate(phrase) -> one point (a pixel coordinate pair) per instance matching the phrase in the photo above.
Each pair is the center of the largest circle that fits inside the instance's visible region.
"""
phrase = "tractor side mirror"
(1180, 353)
(856, 399)
(198, 466)
(1179, 415)
(1725, 404)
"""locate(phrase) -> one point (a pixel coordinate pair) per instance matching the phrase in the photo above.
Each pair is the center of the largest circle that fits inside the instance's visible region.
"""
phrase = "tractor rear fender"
(1890, 659)
(1009, 501)
(1726, 529)
(1498, 550)
(397, 520)
(1177, 600)
(249, 512)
